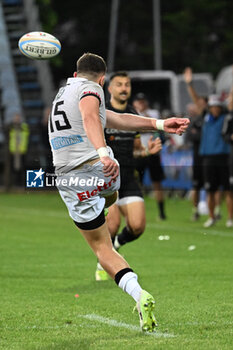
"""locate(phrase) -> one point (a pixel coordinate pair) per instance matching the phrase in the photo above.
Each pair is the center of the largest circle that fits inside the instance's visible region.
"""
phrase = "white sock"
(99, 267)
(116, 243)
(129, 284)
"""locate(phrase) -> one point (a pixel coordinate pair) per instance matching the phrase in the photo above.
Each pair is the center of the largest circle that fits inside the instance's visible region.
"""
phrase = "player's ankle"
(127, 280)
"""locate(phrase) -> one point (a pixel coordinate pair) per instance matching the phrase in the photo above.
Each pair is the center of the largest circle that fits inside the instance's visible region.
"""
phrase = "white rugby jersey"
(69, 143)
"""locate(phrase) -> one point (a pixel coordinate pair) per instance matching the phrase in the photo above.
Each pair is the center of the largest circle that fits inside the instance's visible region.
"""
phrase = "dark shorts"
(129, 184)
(153, 163)
(231, 170)
(216, 172)
(197, 177)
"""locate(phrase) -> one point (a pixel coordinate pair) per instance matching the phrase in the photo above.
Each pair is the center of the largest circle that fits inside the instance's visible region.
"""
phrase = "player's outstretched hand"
(111, 168)
(154, 146)
(176, 125)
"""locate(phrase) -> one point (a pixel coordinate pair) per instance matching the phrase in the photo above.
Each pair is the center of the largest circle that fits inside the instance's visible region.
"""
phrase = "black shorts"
(231, 169)
(153, 163)
(129, 184)
(197, 176)
(216, 172)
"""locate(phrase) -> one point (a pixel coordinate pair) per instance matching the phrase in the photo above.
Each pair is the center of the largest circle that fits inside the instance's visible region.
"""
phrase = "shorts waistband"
(90, 162)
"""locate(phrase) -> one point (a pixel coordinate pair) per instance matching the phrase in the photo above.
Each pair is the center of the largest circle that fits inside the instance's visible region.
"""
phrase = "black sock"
(161, 209)
(126, 236)
(121, 273)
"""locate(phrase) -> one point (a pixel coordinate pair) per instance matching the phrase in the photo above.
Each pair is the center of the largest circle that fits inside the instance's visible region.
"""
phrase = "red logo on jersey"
(91, 93)
(85, 195)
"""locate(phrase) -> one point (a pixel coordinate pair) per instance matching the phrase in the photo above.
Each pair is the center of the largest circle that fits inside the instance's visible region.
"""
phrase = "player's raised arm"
(125, 121)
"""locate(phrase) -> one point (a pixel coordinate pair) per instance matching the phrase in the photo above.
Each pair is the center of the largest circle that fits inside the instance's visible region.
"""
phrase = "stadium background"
(140, 37)
(191, 270)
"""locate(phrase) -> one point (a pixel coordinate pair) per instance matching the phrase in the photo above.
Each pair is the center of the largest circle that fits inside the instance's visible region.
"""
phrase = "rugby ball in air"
(39, 45)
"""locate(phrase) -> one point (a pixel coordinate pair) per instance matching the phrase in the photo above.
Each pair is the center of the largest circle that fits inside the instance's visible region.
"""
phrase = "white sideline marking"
(119, 324)
(114, 323)
(201, 231)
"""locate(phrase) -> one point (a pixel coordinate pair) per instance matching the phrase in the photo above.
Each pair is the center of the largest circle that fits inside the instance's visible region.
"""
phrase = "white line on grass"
(114, 323)
(191, 230)
(118, 324)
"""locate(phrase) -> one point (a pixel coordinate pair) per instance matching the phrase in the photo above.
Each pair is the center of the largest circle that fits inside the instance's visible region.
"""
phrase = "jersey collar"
(74, 80)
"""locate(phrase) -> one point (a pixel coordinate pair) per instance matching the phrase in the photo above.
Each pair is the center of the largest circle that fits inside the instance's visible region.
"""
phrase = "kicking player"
(80, 154)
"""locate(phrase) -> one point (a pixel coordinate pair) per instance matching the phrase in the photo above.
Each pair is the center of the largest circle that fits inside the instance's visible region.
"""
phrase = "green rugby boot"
(145, 307)
(101, 274)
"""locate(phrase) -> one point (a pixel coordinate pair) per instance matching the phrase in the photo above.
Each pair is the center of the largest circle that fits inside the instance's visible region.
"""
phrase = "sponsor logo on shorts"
(87, 194)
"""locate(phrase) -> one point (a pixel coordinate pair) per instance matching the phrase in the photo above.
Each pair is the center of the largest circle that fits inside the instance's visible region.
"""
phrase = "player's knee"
(137, 228)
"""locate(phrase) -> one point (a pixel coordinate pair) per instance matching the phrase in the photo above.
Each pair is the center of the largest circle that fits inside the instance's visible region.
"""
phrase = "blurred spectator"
(201, 103)
(18, 137)
(227, 133)
(193, 136)
(173, 142)
(152, 162)
(176, 142)
(215, 152)
(192, 110)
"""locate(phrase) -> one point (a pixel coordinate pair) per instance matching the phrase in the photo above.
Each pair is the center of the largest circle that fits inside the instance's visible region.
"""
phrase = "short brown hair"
(118, 74)
(89, 63)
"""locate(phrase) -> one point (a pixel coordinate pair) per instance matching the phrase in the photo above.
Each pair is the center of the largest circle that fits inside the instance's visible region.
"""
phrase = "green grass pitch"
(44, 263)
